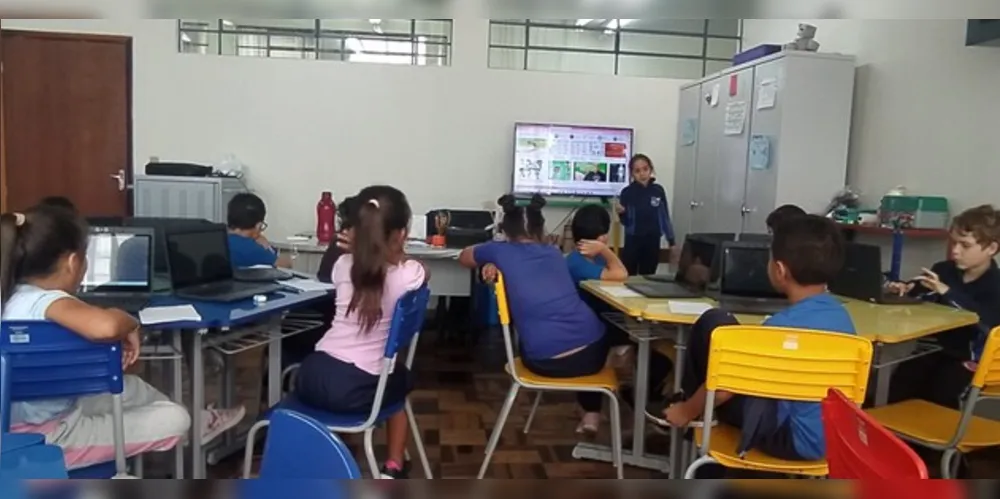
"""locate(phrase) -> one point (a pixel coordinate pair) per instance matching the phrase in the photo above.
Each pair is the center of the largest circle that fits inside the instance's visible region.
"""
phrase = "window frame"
(312, 46)
(527, 48)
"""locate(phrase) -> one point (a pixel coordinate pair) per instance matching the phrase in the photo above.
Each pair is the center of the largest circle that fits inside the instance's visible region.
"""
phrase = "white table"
(448, 278)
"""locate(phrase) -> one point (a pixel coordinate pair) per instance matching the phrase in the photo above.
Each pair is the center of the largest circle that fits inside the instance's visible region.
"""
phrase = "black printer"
(466, 227)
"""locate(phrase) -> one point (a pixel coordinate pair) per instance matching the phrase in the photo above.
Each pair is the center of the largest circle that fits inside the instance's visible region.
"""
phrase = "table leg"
(197, 406)
(178, 396)
(883, 374)
(676, 434)
(227, 389)
(641, 389)
(274, 363)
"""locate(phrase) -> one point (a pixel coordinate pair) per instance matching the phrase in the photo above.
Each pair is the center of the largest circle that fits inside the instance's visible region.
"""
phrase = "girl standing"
(342, 375)
(642, 207)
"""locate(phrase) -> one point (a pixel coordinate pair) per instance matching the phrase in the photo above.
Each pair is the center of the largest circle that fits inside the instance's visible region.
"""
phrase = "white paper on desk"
(164, 315)
(308, 285)
(620, 292)
(688, 307)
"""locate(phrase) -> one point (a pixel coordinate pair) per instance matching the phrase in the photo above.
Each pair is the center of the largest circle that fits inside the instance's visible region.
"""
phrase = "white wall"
(443, 135)
(925, 111)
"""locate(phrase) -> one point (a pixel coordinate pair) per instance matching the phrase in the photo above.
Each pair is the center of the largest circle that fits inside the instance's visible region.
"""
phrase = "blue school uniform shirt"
(646, 211)
(545, 306)
(245, 252)
(30, 303)
(582, 268)
(822, 312)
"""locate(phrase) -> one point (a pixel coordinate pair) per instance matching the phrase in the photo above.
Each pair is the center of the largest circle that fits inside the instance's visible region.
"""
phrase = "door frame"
(130, 125)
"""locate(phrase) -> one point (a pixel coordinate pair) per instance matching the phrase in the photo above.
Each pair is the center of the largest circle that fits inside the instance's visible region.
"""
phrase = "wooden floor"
(460, 389)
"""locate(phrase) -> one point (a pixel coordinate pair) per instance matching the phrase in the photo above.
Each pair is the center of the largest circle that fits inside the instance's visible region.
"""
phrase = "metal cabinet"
(185, 197)
(799, 104)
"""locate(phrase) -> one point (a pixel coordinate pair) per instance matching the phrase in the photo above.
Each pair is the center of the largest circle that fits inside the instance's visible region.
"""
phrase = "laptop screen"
(744, 271)
(199, 257)
(118, 262)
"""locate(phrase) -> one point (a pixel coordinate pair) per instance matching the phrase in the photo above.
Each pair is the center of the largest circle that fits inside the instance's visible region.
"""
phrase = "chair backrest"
(503, 310)
(987, 377)
(299, 447)
(407, 320)
(788, 364)
(42, 360)
(859, 448)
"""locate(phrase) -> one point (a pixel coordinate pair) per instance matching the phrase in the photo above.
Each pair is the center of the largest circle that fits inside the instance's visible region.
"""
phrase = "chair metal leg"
(498, 429)
(370, 453)
(531, 415)
(418, 441)
(698, 463)
(950, 461)
(289, 374)
(248, 452)
(616, 436)
(137, 466)
(121, 466)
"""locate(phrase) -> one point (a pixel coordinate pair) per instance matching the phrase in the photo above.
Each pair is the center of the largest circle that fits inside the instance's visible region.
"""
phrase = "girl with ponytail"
(560, 336)
(342, 375)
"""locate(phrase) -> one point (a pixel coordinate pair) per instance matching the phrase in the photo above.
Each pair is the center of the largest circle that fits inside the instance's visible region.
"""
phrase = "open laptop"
(120, 271)
(200, 268)
(744, 286)
(861, 277)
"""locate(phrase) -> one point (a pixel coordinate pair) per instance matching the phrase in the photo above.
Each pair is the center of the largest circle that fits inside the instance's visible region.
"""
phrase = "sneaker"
(655, 410)
(388, 473)
(216, 421)
(590, 423)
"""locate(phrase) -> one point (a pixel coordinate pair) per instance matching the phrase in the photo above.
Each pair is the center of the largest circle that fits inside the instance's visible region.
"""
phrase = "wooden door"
(67, 120)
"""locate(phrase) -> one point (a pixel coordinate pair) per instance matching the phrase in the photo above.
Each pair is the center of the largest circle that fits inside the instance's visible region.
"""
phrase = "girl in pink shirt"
(342, 375)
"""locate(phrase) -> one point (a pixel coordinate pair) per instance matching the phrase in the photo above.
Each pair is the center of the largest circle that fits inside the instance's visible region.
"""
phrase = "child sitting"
(560, 336)
(593, 260)
(43, 260)
(247, 245)
(342, 375)
(969, 280)
(806, 253)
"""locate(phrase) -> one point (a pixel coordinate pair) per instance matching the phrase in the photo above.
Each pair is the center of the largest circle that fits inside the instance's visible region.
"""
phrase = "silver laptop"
(120, 268)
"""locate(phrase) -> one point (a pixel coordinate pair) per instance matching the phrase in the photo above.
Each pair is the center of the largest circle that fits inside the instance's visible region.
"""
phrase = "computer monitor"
(571, 160)
(199, 256)
(744, 270)
(119, 260)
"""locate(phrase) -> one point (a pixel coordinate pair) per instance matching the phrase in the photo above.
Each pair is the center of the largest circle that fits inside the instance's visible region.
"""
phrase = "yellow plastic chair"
(776, 363)
(604, 382)
(952, 432)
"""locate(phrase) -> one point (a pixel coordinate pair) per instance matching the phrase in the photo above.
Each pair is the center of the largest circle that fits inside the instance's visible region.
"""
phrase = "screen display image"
(571, 160)
(117, 262)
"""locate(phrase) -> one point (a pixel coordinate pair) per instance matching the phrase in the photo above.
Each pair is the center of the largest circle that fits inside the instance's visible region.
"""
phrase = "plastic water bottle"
(326, 216)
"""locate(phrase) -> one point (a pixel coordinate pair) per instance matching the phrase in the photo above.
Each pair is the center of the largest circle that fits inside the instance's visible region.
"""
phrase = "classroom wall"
(925, 111)
(443, 135)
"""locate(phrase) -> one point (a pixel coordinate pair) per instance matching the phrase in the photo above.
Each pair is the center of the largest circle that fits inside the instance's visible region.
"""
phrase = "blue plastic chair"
(41, 360)
(300, 447)
(407, 321)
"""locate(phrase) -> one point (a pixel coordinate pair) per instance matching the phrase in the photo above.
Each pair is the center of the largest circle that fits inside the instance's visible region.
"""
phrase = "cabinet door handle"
(746, 210)
(695, 205)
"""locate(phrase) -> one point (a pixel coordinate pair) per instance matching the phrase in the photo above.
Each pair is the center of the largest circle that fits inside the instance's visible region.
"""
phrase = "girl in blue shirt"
(560, 335)
(642, 206)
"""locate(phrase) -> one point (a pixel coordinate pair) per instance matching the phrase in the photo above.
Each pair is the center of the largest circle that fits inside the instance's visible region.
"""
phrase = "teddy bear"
(805, 39)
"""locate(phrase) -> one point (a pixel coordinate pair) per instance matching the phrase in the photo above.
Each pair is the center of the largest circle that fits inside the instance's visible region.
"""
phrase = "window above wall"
(415, 42)
(665, 48)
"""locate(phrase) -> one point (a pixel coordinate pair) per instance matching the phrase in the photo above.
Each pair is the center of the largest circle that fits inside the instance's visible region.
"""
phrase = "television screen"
(571, 160)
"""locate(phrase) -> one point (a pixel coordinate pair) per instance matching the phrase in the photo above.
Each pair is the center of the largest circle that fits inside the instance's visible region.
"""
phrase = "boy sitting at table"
(247, 245)
(594, 260)
(969, 280)
(806, 253)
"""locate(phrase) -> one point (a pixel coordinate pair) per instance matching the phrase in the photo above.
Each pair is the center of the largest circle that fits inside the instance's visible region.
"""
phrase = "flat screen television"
(571, 160)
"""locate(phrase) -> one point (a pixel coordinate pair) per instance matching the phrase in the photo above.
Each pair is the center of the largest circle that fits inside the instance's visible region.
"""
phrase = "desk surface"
(415, 250)
(238, 313)
(883, 323)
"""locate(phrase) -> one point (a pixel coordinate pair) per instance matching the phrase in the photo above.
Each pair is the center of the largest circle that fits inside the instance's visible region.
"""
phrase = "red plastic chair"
(858, 447)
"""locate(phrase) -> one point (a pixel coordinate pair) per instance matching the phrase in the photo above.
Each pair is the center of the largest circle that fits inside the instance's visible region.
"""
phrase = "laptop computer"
(261, 274)
(120, 271)
(744, 286)
(200, 268)
(861, 277)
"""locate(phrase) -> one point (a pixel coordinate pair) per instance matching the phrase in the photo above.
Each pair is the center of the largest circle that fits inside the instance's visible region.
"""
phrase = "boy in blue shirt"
(593, 260)
(806, 253)
(247, 245)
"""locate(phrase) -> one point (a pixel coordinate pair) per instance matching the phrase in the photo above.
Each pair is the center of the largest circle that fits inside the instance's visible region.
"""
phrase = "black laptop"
(744, 286)
(200, 268)
(861, 277)
(120, 270)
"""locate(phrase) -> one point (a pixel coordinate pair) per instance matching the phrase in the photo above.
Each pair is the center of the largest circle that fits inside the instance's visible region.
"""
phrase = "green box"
(918, 212)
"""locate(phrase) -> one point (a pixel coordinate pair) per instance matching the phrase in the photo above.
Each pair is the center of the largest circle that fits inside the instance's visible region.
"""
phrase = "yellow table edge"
(638, 307)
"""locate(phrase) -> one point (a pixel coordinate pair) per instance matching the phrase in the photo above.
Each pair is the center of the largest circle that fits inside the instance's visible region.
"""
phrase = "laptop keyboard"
(130, 304)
